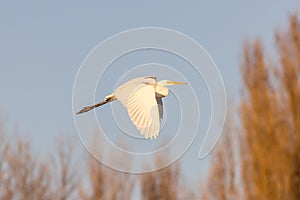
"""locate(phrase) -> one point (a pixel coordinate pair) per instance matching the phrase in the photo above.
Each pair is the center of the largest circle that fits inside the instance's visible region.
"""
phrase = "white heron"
(142, 97)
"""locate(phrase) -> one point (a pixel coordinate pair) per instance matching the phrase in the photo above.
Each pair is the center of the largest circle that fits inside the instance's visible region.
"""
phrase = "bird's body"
(143, 99)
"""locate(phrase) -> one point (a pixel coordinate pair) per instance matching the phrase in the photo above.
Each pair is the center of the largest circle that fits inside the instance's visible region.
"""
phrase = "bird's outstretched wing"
(140, 101)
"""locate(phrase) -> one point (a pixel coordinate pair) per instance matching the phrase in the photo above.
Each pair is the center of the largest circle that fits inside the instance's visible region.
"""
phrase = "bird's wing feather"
(142, 108)
(160, 107)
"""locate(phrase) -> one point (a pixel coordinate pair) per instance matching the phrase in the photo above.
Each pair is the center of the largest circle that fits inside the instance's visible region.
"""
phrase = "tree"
(23, 175)
(162, 184)
(288, 73)
(221, 182)
(268, 132)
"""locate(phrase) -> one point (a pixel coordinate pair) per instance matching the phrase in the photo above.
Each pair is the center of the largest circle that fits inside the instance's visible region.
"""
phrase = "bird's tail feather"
(107, 99)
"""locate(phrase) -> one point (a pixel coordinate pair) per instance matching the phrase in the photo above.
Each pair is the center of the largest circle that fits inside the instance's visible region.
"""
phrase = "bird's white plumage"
(142, 108)
(142, 99)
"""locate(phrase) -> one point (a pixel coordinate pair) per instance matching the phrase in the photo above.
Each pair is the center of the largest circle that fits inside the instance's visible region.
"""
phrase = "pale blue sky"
(43, 45)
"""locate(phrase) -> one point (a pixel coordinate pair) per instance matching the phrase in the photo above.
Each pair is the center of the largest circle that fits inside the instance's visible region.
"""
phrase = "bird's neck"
(161, 90)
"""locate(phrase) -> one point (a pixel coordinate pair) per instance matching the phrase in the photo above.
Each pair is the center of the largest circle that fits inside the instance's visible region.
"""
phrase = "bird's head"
(165, 83)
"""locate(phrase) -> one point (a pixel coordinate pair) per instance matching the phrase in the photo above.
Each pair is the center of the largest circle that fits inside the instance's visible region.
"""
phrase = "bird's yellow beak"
(176, 83)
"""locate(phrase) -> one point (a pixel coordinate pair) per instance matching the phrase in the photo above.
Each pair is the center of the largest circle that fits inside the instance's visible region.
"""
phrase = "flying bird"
(142, 97)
